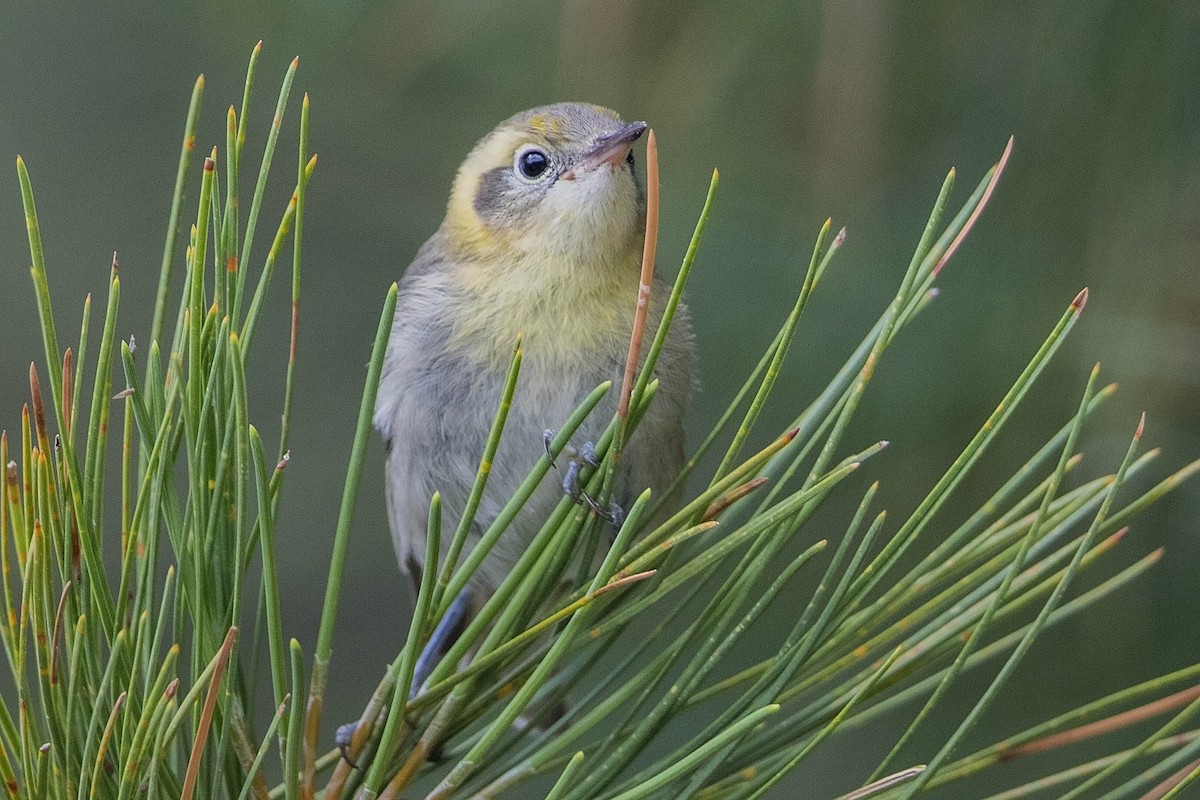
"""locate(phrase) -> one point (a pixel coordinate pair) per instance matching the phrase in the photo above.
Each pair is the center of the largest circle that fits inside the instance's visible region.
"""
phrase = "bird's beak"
(611, 148)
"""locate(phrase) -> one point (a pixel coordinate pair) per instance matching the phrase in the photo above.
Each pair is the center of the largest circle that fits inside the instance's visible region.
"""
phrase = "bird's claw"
(614, 515)
(584, 456)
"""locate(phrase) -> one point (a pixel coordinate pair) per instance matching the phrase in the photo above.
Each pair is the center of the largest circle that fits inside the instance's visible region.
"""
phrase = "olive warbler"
(542, 238)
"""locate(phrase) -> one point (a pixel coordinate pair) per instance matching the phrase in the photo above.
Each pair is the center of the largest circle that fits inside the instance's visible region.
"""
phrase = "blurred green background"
(846, 109)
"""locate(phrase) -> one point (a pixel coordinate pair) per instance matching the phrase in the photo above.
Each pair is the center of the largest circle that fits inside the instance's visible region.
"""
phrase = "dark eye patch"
(503, 198)
(489, 197)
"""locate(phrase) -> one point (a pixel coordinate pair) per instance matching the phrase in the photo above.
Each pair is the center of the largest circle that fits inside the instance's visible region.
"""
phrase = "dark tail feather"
(444, 636)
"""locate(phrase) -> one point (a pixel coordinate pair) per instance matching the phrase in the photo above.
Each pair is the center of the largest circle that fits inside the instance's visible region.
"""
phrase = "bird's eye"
(532, 163)
(629, 158)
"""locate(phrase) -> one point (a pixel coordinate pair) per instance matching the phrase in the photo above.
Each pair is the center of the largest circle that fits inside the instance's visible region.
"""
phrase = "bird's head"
(553, 182)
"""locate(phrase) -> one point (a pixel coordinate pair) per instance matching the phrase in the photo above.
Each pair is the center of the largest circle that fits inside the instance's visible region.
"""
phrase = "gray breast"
(435, 408)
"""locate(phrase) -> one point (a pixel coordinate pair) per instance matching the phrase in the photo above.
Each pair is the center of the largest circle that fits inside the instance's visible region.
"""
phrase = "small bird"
(542, 239)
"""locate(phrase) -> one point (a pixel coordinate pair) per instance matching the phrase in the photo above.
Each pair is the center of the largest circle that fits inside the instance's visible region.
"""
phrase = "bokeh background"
(850, 109)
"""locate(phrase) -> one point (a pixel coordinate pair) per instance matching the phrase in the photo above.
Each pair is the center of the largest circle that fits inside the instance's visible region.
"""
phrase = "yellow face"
(556, 182)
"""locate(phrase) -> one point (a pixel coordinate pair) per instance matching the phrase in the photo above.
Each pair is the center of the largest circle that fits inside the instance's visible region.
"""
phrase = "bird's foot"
(585, 455)
(577, 459)
(614, 515)
(344, 739)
